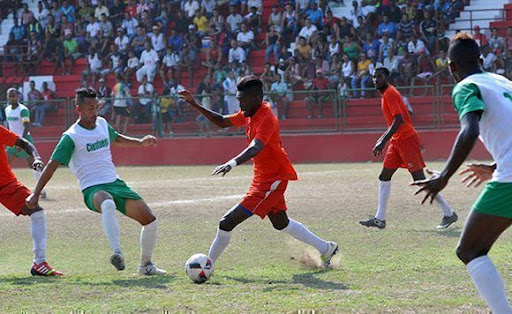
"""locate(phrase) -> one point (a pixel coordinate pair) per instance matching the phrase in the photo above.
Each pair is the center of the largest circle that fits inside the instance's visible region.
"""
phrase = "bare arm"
(128, 141)
(32, 151)
(26, 129)
(381, 142)
(217, 119)
(252, 150)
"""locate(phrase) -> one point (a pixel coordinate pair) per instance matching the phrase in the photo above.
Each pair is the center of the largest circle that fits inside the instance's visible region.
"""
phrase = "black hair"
(83, 93)
(464, 51)
(384, 70)
(250, 84)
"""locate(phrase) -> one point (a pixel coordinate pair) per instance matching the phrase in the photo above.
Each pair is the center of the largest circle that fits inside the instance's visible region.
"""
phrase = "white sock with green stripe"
(441, 202)
(38, 233)
(109, 220)
(148, 236)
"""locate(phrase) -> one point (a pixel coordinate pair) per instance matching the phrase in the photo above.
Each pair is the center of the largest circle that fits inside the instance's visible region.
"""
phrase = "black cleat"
(374, 222)
(448, 221)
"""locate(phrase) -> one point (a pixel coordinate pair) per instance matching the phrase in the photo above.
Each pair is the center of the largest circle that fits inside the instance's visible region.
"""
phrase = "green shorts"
(119, 191)
(496, 200)
(18, 152)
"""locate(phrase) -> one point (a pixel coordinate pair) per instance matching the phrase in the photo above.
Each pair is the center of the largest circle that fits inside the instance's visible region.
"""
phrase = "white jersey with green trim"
(491, 93)
(16, 117)
(87, 153)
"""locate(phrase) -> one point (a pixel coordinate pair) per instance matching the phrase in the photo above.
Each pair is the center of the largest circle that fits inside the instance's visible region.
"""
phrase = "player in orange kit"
(403, 151)
(272, 170)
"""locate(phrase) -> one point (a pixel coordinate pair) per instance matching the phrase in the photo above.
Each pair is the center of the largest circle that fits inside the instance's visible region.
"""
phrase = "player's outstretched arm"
(128, 141)
(477, 174)
(252, 150)
(217, 119)
(464, 143)
(381, 142)
(28, 147)
(46, 175)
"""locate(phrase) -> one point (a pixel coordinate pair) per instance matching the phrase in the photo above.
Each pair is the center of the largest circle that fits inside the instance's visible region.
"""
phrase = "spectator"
(122, 99)
(148, 63)
(146, 21)
(385, 48)
(371, 46)
(65, 27)
(47, 104)
(489, 63)
(117, 12)
(272, 39)
(26, 16)
(335, 68)
(301, 6)
(131, 65)
(139, 41)
(41, 14)
(129, 25)
(351, 48)
(94, 66)
(258, 4)
(245, 40)
(231, 104)
(275, 19)
(35, 27)
(245, 69)
(200, 22)
(392, 63)
(344, 28)
(347, 70)
(408, 68)
(146, 93)
(309, 30)
(401, 44)
(85, 10)
(236, 54)
(34, 51)
(189, 62)
(362, 76)
(416, 45)
(115, 61)
(233, 21)
(71, 52)
(428, 30)
(425, 70)
(68, 11)
(317, 99)
(54, 51)
(364, 28)
(508, 40)
(217, 21)
(12, 51)
(480, 38)
(334, 46)
(190, 8)
(33, 95)
(208, 7)
(205, 91)
(101, 9)
(55, 10)
(170, 64)
(253, 20)
(289, 23)
(157, 40)
(93, 30)
(279, 97)
(18, 31)
(176, 41)
(355, 13)
(267, 77)
(387, 27)
(406, 26)
(303, 53)
(167, 111)
(107, 30)
(142, 7)
(214, 57)
(315, 15)
(104, 100)
(192, 39)
(500, 65)
(496, 42)
(122, 42)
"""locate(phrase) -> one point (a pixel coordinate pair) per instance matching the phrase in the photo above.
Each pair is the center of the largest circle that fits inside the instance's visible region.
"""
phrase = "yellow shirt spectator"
(201, 22)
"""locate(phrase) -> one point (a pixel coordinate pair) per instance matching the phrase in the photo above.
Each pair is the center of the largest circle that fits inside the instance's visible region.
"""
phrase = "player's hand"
(148, 140)
(187, 96)
(37, 164)
(476, 174)
(225, 168)
(431, 186)
(378, 148)
(32, 201)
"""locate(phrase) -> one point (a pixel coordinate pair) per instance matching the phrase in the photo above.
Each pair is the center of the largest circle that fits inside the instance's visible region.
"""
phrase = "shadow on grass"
(309, 280)
(449, 233)
(29, 280)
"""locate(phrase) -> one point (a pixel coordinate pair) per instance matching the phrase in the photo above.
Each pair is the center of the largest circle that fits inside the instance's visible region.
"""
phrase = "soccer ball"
(199, 268)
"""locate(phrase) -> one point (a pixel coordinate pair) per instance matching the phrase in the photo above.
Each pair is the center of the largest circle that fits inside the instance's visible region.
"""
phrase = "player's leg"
(385, 176)
(281, 222)
(228, 222)
(479, 234)
(104, 203)
(138, 210)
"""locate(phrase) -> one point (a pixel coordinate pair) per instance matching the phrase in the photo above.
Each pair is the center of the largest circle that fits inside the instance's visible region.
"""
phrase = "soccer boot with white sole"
(150, 269)
(117, 259)
(331, 251)
(43, 269)
(374, 222)
(448, 221)
(43, 194)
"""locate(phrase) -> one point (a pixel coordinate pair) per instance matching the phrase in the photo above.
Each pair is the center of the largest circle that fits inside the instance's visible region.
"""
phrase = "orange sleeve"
(394, 101)
(8, 138)
(237, 119)
(266, 129)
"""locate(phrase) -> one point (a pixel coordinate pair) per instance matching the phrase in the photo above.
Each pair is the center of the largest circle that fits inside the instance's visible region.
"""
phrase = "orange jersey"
(272, 162)
(392, 105)
(7, 138)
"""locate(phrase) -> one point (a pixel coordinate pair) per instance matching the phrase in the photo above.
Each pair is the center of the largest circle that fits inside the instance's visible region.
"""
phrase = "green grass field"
(408, 267)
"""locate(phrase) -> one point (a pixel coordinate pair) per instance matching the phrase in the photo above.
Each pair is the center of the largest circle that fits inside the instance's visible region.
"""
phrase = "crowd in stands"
(306, 48)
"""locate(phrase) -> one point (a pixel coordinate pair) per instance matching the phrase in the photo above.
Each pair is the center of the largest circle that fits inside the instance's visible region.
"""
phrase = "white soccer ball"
(199, 268)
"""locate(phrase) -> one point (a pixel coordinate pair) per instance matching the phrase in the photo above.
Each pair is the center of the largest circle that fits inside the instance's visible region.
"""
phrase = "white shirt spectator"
(130, 26)
(308, 32)
(246, 37)
(132, 62)
(234, 21)
(149, 59)
(255, 3)
(191, 8)
(333, 50)
(42, 17)
(94, 62)
(303, 4)
(347, 68)
(237, 54)
(158, 41)
(98, 12)
(354, 15)
(489, 61)
(232, 103)
(143, 90)
(392, 65)
(209, 5)
(122, 42)
(115, 59)
(171, 60)
(416, 47)
(93, 29)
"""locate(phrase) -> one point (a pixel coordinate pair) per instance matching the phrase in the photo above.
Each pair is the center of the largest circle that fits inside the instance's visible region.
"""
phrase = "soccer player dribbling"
(13, 194)
(484, 103)
(85, 148)
(272, 170)
(403, 151)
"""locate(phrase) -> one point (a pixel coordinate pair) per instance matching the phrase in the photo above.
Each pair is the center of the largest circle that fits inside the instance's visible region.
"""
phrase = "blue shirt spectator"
(371, 46)
(315, 14)
(69, 11)
(387, 26)
(18, 31)
(176, 41)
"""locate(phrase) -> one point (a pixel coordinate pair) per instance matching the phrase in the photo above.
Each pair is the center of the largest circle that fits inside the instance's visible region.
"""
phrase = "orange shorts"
(13, 196)
(265, 198)
(404, 153)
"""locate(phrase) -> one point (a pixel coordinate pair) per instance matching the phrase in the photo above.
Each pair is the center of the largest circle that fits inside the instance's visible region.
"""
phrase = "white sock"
(384, 193)
(219, 244)
(108, 217)
(147, 241)
(301, 233)
(441, 202)
(38, 233)
(489, 284)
